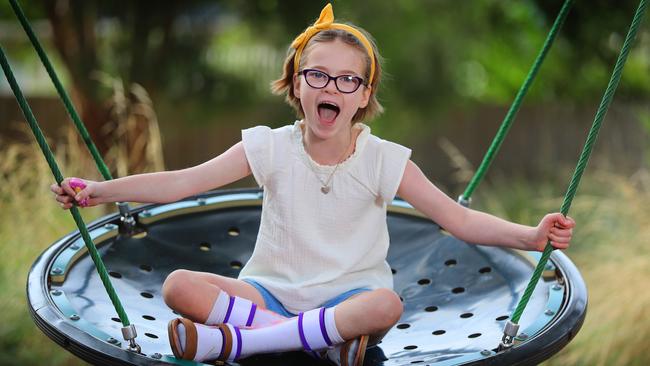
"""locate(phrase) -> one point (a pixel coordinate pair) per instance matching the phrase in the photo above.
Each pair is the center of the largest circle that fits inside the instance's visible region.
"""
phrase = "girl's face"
(328, 111)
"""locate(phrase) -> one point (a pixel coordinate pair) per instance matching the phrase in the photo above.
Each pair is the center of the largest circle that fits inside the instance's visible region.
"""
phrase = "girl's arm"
(478, 227)
(161, 187)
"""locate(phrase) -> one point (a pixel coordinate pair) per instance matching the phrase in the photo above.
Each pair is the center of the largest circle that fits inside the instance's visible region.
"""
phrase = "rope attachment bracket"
(129, 333)
(509, 333)
(127, 221)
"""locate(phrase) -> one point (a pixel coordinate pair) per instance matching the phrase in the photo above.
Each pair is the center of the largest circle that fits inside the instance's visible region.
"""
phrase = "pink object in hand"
(77, 185)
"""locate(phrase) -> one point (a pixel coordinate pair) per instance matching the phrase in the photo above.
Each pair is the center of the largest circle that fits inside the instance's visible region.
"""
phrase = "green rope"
(49, 156)
(514, 108)
(586, 152)
(62, 93)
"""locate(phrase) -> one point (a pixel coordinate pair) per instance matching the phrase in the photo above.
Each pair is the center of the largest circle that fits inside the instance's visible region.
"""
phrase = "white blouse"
(312, 246)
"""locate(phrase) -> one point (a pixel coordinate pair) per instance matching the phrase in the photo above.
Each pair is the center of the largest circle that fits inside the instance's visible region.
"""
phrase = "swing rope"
(514, 108)
(103, 169)
(128, 329)
(511, 327)
(127, 222)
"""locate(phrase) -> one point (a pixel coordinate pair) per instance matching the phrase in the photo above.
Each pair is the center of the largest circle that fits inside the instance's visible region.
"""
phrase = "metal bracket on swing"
(509, 334)
(129, 333)
(127, 222)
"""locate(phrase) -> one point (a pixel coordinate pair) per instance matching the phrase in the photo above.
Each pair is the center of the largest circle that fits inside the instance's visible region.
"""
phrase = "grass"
(610, 249)
(29, 221)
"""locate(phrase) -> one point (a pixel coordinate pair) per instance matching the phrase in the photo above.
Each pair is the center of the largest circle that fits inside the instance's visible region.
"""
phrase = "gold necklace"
(325, 185)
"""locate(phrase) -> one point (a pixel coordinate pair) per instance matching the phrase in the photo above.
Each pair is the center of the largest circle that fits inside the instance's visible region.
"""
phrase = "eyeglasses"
(344, 83)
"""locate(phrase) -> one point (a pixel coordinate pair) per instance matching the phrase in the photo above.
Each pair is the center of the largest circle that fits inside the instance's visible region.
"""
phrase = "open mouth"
(328, 111)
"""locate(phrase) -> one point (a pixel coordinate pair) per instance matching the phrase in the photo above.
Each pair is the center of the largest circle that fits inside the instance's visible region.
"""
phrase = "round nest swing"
(456, 296)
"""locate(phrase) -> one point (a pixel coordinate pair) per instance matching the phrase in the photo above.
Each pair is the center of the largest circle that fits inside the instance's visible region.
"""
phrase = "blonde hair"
(285, 83)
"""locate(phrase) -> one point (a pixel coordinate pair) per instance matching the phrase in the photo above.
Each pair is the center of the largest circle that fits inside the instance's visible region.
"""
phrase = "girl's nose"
(331, 87)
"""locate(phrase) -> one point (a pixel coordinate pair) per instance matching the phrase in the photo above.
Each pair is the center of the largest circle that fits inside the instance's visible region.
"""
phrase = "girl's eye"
(349, 82)
(317, 75)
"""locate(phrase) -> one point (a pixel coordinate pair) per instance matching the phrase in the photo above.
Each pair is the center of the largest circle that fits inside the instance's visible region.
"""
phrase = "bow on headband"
(324, 22)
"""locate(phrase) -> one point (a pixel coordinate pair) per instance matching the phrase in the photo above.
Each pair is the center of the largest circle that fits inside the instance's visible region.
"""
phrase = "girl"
(314, 282)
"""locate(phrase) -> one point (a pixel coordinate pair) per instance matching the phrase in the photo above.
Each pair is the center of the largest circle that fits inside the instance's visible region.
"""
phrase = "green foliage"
(28, 6)
(439, 54)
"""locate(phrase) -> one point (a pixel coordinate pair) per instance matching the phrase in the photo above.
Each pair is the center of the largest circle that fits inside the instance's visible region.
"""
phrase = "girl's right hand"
(75, 191)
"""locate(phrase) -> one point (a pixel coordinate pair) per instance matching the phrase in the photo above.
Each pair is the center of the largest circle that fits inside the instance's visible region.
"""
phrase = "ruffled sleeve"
(258, 146)
(393, 162)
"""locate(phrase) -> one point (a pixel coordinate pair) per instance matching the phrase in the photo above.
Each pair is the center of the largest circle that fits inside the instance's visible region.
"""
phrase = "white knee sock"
(311, 331)
(240, 312)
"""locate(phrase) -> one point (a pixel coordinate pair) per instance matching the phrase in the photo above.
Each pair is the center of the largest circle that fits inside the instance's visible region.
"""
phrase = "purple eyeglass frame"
(304, 72)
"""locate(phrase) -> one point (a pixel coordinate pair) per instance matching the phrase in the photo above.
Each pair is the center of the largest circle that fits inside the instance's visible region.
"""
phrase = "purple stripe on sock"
(322, 327)
(230, 305)
(305, 345)
(238, 343)
(251, 315)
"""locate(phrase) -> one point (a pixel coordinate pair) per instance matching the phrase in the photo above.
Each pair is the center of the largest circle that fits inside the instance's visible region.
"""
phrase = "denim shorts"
(276, 306)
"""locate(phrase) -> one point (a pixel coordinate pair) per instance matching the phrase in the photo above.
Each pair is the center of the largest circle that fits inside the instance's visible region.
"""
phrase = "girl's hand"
(75, 191)
(554, 228)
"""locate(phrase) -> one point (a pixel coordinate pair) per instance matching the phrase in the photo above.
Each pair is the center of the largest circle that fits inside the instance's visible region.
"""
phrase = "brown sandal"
(191, 340)
(358, 348)
(361, 351)
(350, 353)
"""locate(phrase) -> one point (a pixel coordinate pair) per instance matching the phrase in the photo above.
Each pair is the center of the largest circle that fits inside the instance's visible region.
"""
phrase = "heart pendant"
(325, 189)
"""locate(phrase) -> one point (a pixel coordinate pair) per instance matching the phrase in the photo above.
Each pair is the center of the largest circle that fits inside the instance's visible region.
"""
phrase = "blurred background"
(165, 85)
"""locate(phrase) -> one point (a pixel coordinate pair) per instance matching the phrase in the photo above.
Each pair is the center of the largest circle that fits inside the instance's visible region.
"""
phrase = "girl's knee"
(175, 286)
(388, 307)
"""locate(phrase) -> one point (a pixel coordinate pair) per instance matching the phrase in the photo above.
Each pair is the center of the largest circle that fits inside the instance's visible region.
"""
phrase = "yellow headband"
(326, 21)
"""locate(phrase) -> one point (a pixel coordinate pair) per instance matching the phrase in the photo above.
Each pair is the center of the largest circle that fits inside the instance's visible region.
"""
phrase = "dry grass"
(612, 251)
(30, 220)
(132, 131)
(615, 261)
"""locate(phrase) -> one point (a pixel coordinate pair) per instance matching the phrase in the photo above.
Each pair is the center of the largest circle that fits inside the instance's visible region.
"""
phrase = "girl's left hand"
(554, 228)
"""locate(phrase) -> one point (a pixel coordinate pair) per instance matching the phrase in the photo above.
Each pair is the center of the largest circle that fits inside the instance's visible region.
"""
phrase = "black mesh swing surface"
(457, 297)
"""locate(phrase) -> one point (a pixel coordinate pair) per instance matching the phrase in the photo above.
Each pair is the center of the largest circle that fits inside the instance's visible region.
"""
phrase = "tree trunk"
(73, 32)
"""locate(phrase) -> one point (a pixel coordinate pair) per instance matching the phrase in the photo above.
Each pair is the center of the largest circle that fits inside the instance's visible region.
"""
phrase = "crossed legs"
(193, 294)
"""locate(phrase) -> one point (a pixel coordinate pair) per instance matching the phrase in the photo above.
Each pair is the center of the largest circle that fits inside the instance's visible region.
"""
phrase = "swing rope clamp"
(509, 333)
(129, 333)
(127, 222)
(465, 202)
